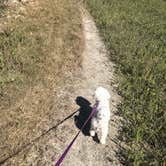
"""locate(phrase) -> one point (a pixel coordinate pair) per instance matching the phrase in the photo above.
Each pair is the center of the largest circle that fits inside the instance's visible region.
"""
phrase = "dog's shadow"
(84, 112)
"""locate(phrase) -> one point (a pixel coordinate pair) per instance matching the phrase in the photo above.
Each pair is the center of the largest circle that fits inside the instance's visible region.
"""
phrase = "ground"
(47, 137)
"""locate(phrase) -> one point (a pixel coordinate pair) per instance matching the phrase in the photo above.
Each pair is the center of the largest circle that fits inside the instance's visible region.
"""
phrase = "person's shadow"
(84, 112)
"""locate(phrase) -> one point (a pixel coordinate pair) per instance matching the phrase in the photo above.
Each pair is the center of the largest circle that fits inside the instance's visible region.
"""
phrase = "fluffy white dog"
(102, 116)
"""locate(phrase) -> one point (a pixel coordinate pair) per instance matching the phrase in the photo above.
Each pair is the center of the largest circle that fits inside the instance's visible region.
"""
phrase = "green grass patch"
(134, 32)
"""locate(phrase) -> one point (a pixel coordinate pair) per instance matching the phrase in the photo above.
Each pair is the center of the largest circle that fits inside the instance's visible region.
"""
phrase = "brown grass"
(41, 53)
(29, 40)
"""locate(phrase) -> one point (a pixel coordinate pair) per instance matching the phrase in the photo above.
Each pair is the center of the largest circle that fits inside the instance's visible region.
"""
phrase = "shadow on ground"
(84, 112)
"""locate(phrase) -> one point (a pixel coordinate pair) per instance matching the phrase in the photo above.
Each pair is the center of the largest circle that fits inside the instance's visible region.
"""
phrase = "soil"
(59, 123)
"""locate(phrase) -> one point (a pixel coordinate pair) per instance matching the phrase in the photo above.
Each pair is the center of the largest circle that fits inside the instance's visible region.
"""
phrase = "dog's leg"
(104, 130)
(92, 133)
(93, 127)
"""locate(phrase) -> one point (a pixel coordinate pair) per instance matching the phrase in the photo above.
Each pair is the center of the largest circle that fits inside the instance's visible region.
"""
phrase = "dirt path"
(96, 70)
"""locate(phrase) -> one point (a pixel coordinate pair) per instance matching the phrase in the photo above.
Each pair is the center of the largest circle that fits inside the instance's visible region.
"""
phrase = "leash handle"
(70, 145)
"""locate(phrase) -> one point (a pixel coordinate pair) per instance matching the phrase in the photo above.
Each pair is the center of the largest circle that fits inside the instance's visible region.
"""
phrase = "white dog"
(102, 116)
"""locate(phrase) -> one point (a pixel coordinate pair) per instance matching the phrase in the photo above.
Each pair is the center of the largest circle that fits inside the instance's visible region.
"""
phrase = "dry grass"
(40, 48)
(27, 43)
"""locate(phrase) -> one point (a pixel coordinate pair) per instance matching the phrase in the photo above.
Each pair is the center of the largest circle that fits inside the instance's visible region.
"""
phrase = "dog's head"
(102, 94)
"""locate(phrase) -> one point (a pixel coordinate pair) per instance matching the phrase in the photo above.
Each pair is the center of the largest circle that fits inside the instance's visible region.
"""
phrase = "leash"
(70, 145)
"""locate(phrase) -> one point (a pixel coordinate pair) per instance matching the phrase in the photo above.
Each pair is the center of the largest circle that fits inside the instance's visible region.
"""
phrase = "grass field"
(29, 36)
(21, 51)
(134, 32)
(40, 50)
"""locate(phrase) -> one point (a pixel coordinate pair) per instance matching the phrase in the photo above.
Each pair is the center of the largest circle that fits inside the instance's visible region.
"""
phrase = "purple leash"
(69, 146)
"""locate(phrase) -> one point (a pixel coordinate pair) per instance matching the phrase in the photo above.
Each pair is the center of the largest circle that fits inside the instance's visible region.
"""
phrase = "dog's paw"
(102, 141)
(92, 133)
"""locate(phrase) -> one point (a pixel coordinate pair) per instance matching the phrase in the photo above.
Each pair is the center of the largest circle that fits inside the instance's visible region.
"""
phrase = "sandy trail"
(97, 70)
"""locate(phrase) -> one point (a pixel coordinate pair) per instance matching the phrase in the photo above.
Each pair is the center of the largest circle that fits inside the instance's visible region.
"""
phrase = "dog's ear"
(108, 95)
(95, 97)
